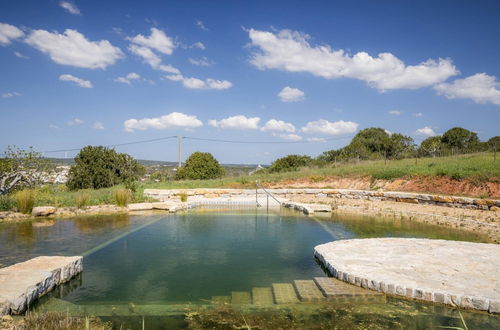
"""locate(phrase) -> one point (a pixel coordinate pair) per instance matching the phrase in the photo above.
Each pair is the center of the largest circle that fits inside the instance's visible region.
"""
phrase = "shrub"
(200, 166)
(317, 178)
(7, 203)
(184, 197)
(82, 199)
(132, 185)
(25, 200)
(122, 196)
(289, 163)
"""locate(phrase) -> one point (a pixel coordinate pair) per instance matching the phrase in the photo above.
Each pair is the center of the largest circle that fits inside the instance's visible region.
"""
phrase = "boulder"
(43, 211)
(161, 206)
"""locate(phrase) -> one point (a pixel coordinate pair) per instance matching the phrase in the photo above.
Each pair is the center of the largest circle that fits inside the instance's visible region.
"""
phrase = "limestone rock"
(43, 211)
(140, 206)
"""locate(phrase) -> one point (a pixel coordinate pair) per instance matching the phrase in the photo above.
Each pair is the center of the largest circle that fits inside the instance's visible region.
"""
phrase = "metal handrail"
(258, 185)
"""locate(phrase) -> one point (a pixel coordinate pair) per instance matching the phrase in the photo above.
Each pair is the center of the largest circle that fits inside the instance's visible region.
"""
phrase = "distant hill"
(145, 162)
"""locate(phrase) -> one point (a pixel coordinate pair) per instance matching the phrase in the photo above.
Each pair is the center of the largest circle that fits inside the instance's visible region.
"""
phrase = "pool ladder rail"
(268, 194)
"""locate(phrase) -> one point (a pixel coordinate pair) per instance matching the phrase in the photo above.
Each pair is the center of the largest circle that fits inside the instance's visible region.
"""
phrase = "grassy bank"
(475, 167)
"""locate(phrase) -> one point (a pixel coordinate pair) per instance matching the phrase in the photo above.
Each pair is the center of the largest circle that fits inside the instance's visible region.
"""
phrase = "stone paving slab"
(240, 298)
(308, 291)
(284, 293)
(461, 274)
(262, 296)
(21, 284)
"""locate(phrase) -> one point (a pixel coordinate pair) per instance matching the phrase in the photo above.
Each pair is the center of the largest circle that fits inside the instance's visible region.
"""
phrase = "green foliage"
(100, 167)
(25, 200)
(82, 199)
(494, 143)
(7, 203)
(289, 163)
(183, 197)
(460, 140)
(131, 185)
(200, 166)
(22, 169)
(122, 197)
(431, 147)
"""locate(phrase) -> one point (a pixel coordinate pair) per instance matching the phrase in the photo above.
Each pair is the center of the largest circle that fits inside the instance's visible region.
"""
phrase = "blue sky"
(315, 72)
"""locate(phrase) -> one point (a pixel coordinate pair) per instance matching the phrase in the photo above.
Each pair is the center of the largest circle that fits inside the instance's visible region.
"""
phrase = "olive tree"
(200, 166)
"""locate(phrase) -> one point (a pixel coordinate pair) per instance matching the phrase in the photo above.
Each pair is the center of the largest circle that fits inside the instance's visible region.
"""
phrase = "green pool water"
(181, 259)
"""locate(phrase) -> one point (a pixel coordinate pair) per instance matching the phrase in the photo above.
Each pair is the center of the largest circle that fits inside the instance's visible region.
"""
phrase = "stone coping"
(460, 274)
(21, 284)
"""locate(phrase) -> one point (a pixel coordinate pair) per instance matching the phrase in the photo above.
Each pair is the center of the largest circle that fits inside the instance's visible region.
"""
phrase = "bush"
(200, 166)
(25, 200)
(82, 199)
(132, 185)
(122, 197)
(184, 197)
(289, 163)
(100, 167)
(6, 203)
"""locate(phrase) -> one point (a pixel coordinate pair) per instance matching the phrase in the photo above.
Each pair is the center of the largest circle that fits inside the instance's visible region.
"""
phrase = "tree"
(459, 139)
(200, 166)
(494, 143)
(399, 146)
(100, 167)
(289, 163)
(431, 146)
(22, 169)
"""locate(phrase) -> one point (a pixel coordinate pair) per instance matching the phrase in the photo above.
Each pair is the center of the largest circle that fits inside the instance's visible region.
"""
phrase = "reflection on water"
(190, 257)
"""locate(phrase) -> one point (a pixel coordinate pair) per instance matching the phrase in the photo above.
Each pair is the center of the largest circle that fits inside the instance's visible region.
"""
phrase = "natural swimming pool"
(188, 258)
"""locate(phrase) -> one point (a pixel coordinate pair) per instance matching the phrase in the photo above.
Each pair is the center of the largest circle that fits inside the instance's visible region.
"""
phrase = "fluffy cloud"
(278, 126)
(236, 122)
(418, 114)
(289, 137)
(204, 61)
(173, 120)
(70, 7)
(80, 82)
(128, 78)
(394, 112)
(75, 122)
(8, 33)
(10, 94)
(315, 139)
(195, 83)
(289, 94)
(331, 128)
(426, 131)
(290, 51)
(481, 88)
(72, 48)
(157, 40)
(98, 125)
(199, 45)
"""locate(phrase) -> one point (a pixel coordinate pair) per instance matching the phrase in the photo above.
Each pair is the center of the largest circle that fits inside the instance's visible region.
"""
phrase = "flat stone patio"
(461, 274)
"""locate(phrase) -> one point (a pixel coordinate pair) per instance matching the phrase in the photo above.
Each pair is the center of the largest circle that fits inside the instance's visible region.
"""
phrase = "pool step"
(308, 291)
(284, 293)
(262, 296)
(336, 290)
(241, 298)
(219, 300)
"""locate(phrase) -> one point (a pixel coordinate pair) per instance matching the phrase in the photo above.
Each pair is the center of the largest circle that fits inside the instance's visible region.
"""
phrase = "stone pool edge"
(393, 288)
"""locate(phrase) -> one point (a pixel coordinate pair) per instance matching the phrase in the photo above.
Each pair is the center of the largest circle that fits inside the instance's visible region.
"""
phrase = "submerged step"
(221, 300)
(262, 296)
(335, 289)
(308, 291)
(240, 298)
(284, 293)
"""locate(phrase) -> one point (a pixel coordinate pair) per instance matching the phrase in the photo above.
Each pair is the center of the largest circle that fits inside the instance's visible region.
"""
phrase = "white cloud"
(426, 131)
(157, 40)
(52, 126)
(418, 114)
(331, 128)
(80, 82)
(278, 126)
(173, 120)
(70, 7)
(236, 122)
(18, 54)
(128, 78)
(152, 59)
(199, 45)
(290, 137)
(195, 83)
(290, 51)
(394, 112)
(72, 48)
(204, 61)
(201, 25)
(481, 88)
(10, 94)
(8, 33)
(75, 122)
(98, 125)
(315, 139)
(289, 94)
